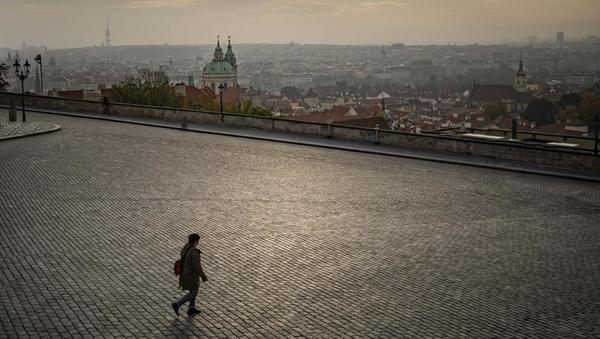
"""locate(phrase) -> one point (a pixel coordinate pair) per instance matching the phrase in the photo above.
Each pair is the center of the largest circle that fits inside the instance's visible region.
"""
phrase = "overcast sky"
(75, 23)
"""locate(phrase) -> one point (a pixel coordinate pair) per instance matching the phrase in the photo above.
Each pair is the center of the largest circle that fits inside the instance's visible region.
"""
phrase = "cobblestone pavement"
(15, 129)
(345, 145)
(297, 241)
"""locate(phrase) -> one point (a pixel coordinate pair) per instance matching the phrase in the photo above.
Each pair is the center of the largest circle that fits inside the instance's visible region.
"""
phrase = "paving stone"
(15, 129)
(297, 241)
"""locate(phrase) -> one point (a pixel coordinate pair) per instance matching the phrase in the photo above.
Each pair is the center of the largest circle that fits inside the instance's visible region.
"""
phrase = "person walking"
(190, 276)
(106, 104)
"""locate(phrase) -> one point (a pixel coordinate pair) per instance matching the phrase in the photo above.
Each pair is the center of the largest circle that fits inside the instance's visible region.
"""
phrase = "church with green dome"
(222, 70)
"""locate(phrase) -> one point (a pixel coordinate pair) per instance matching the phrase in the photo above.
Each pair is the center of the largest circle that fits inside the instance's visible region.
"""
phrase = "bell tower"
(229, 55)
(520, 81)
(218, 56)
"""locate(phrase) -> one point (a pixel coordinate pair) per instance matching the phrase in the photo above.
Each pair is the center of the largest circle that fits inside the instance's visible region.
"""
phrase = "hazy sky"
(74, 23)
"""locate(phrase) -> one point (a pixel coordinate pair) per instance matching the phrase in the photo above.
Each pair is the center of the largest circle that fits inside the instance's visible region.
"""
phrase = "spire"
(521, 63)
(229, 56)
(218, 51)
(521, 71)
(520, 80)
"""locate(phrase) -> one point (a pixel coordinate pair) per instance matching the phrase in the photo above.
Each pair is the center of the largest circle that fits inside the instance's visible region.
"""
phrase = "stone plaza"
(297, 241)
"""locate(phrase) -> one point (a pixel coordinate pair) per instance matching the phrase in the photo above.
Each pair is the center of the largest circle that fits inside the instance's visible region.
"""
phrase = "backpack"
(178, 266)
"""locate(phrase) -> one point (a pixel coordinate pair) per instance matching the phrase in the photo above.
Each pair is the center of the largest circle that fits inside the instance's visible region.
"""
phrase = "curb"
(508, 167)
(22, 135)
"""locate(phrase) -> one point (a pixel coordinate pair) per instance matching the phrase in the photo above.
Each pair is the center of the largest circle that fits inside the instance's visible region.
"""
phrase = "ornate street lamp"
(22, 73)
(221, 89)
(515, 123)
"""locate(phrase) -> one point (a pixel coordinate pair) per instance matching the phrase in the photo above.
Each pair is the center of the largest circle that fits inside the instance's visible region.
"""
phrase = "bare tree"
(148, 88)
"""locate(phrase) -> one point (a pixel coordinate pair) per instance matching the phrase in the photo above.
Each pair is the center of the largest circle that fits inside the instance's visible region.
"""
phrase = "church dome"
(218, 67)
(220, 71)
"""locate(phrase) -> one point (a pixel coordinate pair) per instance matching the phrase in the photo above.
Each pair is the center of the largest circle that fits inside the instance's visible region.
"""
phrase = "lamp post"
(221, 89)
(514, 126)
(22, 73)
(38, 59)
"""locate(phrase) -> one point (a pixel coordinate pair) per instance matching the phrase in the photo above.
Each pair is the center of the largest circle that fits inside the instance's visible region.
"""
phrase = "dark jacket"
(192, 269)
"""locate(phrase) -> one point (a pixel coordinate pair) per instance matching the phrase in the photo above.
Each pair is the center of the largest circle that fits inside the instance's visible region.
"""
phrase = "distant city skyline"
(81, 23)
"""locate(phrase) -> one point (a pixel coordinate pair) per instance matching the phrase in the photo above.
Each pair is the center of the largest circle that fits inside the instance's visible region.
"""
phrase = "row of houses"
(402, 111)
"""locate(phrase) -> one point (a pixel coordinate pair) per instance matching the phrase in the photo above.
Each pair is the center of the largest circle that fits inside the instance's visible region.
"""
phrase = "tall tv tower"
(107, 33)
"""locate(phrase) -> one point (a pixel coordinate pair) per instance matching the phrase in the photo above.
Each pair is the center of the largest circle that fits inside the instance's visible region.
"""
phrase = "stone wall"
(297, 127)
(247, 121)
(62, 104)
(502, 150)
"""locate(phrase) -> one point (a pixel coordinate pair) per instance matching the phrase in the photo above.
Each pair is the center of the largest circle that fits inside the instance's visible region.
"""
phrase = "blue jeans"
(191, 297)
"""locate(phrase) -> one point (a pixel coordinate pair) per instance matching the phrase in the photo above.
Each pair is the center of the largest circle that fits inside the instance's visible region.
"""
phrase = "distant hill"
(161, 53)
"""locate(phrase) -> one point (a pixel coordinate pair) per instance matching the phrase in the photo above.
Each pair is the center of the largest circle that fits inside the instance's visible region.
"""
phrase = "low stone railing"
(502, 150)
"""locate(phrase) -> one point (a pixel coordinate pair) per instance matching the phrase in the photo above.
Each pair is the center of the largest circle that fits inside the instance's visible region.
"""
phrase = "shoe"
(193, 311)
(175, 308)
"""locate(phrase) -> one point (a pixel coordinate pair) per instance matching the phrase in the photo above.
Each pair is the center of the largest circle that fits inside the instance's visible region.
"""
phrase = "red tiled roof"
(339, 113)
(232, 95)
(197, 96)
(205, 91)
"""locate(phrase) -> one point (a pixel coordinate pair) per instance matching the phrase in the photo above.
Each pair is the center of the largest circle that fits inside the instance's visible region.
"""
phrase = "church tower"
(218, 56)
(229, 56)
(520, 81)
(221, 72)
